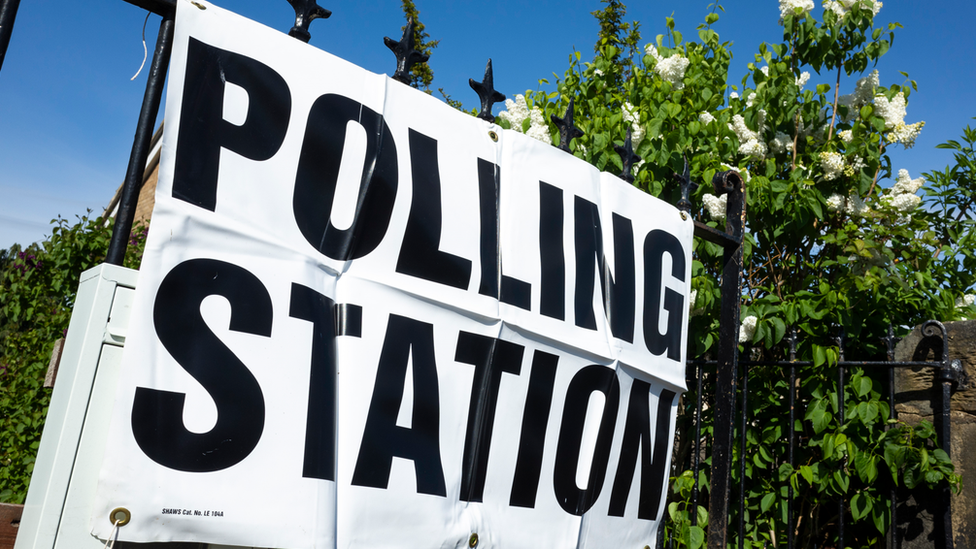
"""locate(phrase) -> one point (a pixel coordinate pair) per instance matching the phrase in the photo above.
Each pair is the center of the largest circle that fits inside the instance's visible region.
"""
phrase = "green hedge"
(37, 291)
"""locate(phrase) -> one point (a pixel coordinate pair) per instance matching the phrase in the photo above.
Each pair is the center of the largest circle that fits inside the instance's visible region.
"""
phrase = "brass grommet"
(684, 217)
(120, 515)
(199, 5)
(494, 137)
(473, 540)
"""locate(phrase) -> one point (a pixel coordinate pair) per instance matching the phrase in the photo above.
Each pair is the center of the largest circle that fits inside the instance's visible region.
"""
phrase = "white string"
(145, 51)
(110, 542)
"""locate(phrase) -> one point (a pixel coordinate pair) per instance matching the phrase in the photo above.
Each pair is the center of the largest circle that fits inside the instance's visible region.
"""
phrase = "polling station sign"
(365, 319)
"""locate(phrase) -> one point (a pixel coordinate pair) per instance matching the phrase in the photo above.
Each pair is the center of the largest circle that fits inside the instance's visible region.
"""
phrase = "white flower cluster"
(841, 7)
(852, 205)
(856, 206)
(636, 130)
(893, 112)
(781, 143)
(516, 113)
(902, 196)
(691, 304)
(748, 329)
(905, 183)
(802, 79)
(715, 205)
(965, 301)
(904, 202)
(863, 95)
(816, 128)
(670, 69)
(846, 136)
(832, 164)
(733, 95)
(706, 118)
(906, 133)
(750, 143)
(794, 7)
(836, 202)
(751, 98)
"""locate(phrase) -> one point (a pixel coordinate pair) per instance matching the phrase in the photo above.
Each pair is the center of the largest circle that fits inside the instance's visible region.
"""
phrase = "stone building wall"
(916, 398)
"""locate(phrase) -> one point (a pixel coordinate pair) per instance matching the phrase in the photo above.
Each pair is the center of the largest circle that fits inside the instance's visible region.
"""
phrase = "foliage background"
(37, 289)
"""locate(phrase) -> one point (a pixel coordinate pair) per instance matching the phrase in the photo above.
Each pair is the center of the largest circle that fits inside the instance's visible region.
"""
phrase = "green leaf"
(865, 386)
(842, 480)
(807, 472)
(819, 356)
(785, 470)
(861, 505)
(817, 414)
(912, 477)
(654, 127)
(696, 537)
(866, 466)
(767, 501)
(779, 329)
(881, 516)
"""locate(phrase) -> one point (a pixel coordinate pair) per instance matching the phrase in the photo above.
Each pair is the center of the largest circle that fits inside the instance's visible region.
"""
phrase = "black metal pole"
(140, 145)
(728, 360)
(696, 457)
(744, 425)
(945, 439)
(889, 340)
(946, 376)
(8, 13)
(791, 436)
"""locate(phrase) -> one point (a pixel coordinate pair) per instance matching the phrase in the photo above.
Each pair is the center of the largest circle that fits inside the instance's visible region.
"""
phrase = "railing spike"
(306, 11)
(627, 157)
(567, 130)
(486, 93)
(405, 53)
(687, 185)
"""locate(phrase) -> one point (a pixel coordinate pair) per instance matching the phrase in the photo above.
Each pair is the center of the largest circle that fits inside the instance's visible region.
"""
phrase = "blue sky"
(68, 108)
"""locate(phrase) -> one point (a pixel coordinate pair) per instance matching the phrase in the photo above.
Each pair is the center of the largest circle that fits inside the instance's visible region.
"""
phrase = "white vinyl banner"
(365, 319)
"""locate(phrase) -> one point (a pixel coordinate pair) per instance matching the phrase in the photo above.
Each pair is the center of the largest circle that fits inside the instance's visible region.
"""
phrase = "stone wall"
(916, 397)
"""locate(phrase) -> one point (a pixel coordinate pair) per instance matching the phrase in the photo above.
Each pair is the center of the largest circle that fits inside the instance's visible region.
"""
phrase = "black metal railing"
(706, 382)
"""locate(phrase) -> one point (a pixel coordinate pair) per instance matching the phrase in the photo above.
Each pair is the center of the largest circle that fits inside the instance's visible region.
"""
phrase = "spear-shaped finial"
(306, 11)
(487, 93)
(567, 130)
(687, 185)
(405, 53)
(628, 158)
